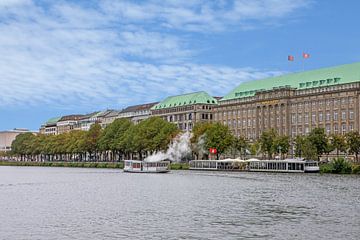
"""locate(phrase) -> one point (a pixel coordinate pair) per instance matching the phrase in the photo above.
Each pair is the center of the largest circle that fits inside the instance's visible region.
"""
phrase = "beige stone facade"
(186, 117)
(292, 111)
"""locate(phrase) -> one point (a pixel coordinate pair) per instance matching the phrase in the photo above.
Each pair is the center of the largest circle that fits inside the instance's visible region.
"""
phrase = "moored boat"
(256, 165)
(137, 166)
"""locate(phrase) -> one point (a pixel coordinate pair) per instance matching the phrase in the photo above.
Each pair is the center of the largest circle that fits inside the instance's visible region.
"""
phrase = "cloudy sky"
(63, 57)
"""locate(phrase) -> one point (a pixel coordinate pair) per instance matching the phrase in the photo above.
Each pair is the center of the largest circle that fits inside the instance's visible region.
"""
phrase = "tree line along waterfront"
(124, 140)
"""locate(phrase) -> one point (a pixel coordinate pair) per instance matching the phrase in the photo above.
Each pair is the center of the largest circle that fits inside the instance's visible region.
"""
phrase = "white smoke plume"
(201, 144)
(177, 150)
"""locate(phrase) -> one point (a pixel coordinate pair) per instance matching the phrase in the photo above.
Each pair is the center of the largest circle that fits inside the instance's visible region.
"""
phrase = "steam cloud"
(177, 150)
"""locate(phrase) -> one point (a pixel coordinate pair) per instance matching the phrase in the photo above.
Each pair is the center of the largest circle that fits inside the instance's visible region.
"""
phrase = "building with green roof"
(293, 104)
(303, 80)
(49, 127)
(185, 110)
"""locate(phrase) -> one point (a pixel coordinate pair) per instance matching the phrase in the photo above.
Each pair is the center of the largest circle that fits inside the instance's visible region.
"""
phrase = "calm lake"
(73, 203)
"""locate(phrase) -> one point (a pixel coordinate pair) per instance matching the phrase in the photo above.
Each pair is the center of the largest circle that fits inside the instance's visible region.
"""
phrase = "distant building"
(186, 110)
(7, 137)
(102, 117)
(137, 113)
(109, 118)
(50, 127)
(67, 123)
(294, 104)
(87, 120)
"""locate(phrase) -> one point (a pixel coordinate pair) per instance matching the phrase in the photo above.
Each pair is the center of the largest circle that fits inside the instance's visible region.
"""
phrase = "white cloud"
(203, 15)
(66, 54)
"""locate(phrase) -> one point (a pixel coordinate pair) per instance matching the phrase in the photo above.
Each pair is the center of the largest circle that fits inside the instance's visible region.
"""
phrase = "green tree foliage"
(90, 143)
(241, 145)
(309, 151)
(215, 135)
(299, 145)
(23, 144)
(304, 148)
(120, 137)
(318, 139)
(281, 145)
(353, 143)
(198, 139)
(267, 142)
(337, 142)
(218, 136)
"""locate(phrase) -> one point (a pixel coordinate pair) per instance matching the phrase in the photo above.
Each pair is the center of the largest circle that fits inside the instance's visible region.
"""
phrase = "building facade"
(109, 118)
(186, 110)
(67, 123)
(50, 127)
(294, 104)
(137, 113)
(7, 137)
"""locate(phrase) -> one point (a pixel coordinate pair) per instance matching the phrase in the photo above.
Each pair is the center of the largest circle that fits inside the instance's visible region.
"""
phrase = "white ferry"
(214, 165)
(256, 165)
(287, 165)
(137, 166)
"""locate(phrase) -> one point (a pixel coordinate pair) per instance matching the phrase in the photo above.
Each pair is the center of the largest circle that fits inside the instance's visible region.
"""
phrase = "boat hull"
(136, 166)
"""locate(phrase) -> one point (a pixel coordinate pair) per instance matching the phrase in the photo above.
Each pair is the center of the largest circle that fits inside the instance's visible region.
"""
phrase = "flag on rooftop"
(306, 55)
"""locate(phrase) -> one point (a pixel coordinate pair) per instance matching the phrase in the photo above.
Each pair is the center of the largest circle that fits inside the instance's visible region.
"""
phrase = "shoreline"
(113, 165)
(120, 165)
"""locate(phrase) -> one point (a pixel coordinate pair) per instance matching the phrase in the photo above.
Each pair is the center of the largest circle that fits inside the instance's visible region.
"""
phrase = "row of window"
(179, 117)
(336, 128)
(320, 117)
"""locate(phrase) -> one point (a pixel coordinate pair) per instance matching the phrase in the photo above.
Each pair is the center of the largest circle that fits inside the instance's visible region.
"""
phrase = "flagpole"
(303, 62)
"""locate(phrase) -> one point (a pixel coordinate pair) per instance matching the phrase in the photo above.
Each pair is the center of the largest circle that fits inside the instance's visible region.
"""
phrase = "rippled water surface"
(70, 203)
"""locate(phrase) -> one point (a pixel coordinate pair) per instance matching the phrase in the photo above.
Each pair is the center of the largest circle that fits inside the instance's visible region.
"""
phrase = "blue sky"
(65, 57)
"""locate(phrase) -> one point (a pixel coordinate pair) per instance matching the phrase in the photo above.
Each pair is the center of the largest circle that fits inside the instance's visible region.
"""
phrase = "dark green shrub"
(356, 169)
(340, 165)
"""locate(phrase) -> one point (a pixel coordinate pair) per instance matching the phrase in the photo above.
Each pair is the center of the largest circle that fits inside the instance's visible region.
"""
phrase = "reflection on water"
(69, 203)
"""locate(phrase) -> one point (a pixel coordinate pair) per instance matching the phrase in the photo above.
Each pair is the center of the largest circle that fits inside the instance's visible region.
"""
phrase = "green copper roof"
(185, 99)
(310, 79)
(52, 120)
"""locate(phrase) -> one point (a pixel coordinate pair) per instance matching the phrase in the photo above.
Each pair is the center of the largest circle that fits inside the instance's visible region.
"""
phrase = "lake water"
(73, 203)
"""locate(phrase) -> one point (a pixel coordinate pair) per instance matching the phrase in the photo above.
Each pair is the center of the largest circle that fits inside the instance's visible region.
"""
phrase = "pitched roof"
(139, 107)
(113, 113)
(70, 117)
(104, 113)
(89, 115)
(185, 99)
(310, 79)
(52, 121)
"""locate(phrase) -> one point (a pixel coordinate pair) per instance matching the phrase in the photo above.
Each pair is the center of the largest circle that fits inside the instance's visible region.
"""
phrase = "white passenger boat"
(216, 165)
(256, 165)
(137, 166)
(287, 165)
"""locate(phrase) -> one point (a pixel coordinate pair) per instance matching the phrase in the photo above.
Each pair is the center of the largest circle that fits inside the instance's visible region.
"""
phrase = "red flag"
(306, 55)
(290, 58)
(213, 150)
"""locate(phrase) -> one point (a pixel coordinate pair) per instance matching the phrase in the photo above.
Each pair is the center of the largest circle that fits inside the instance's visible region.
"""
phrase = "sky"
(67, 57)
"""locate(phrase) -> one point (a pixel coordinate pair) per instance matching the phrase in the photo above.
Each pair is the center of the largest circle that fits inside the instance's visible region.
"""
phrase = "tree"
(218, 136)
(23, 144)
(318, 139)
(266, 140)
(240, 144)
(92, 136)
(299, 145)
(309, 151)
(198, 139)
(353, 143)
(281, 144)
(338, 142)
